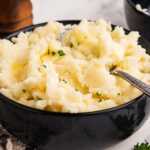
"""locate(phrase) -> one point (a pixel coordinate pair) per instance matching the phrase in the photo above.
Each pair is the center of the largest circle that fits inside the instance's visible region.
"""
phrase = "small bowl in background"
(136, 19)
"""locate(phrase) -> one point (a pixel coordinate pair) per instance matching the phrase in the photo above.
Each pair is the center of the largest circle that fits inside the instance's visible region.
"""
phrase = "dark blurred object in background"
(136, 19)
(14, 15)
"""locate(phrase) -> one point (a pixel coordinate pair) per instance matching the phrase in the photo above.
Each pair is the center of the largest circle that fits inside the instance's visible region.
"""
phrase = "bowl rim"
(68, 114)
(130, 2)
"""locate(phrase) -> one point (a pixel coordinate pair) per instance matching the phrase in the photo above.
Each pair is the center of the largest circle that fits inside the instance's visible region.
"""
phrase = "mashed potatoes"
(67, 68)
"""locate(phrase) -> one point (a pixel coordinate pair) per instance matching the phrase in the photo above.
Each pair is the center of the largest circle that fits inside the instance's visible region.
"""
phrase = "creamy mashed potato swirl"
(67, 68)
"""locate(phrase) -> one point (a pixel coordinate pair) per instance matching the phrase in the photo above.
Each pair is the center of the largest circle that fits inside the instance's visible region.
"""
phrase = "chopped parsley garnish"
(98, 94)
(118, 94)
(61, 53)
(142, 146)
(71, 45)
(99, 100)
(64, 80)
(23, 90)
(78, 43)
(38, 98)
(76, 89)
(53, 53)
(44, 66)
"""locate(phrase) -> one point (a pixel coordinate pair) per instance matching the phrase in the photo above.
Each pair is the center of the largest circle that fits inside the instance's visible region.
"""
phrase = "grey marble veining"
(111, 10)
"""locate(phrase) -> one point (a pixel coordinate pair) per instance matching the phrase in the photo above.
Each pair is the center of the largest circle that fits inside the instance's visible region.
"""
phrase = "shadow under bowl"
(87, 131)
(136, 19)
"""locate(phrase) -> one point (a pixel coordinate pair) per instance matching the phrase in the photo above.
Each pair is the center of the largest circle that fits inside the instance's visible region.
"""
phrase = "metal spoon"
(143, 87)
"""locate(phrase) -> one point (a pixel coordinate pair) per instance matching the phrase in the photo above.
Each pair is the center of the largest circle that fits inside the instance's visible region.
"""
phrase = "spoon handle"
(143, 87)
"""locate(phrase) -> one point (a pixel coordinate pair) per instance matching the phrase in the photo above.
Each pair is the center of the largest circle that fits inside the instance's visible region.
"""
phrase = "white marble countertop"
(111, 10)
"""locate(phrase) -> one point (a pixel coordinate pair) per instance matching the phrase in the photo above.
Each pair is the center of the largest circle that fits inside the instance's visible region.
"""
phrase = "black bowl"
(64, 131)
(137, 20)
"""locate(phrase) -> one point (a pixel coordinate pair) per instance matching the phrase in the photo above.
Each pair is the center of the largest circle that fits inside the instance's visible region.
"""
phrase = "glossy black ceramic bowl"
(137, 20)
(65, 131)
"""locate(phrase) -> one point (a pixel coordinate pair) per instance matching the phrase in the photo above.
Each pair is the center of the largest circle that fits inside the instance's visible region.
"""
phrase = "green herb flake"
(100, 100)
(71, 45)
(61, 53)
(53, 53)
(44, 66)
(38, 98)
(142, 146)
(118, 94)
(98, 94)
(64, 80)
(78, 43)
(23, 90)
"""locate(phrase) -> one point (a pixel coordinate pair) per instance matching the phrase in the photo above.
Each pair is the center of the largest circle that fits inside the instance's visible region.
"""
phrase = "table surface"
(108, 9)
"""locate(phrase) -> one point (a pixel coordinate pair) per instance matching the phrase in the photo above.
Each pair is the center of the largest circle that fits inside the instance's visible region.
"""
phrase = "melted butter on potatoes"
(67, 68)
